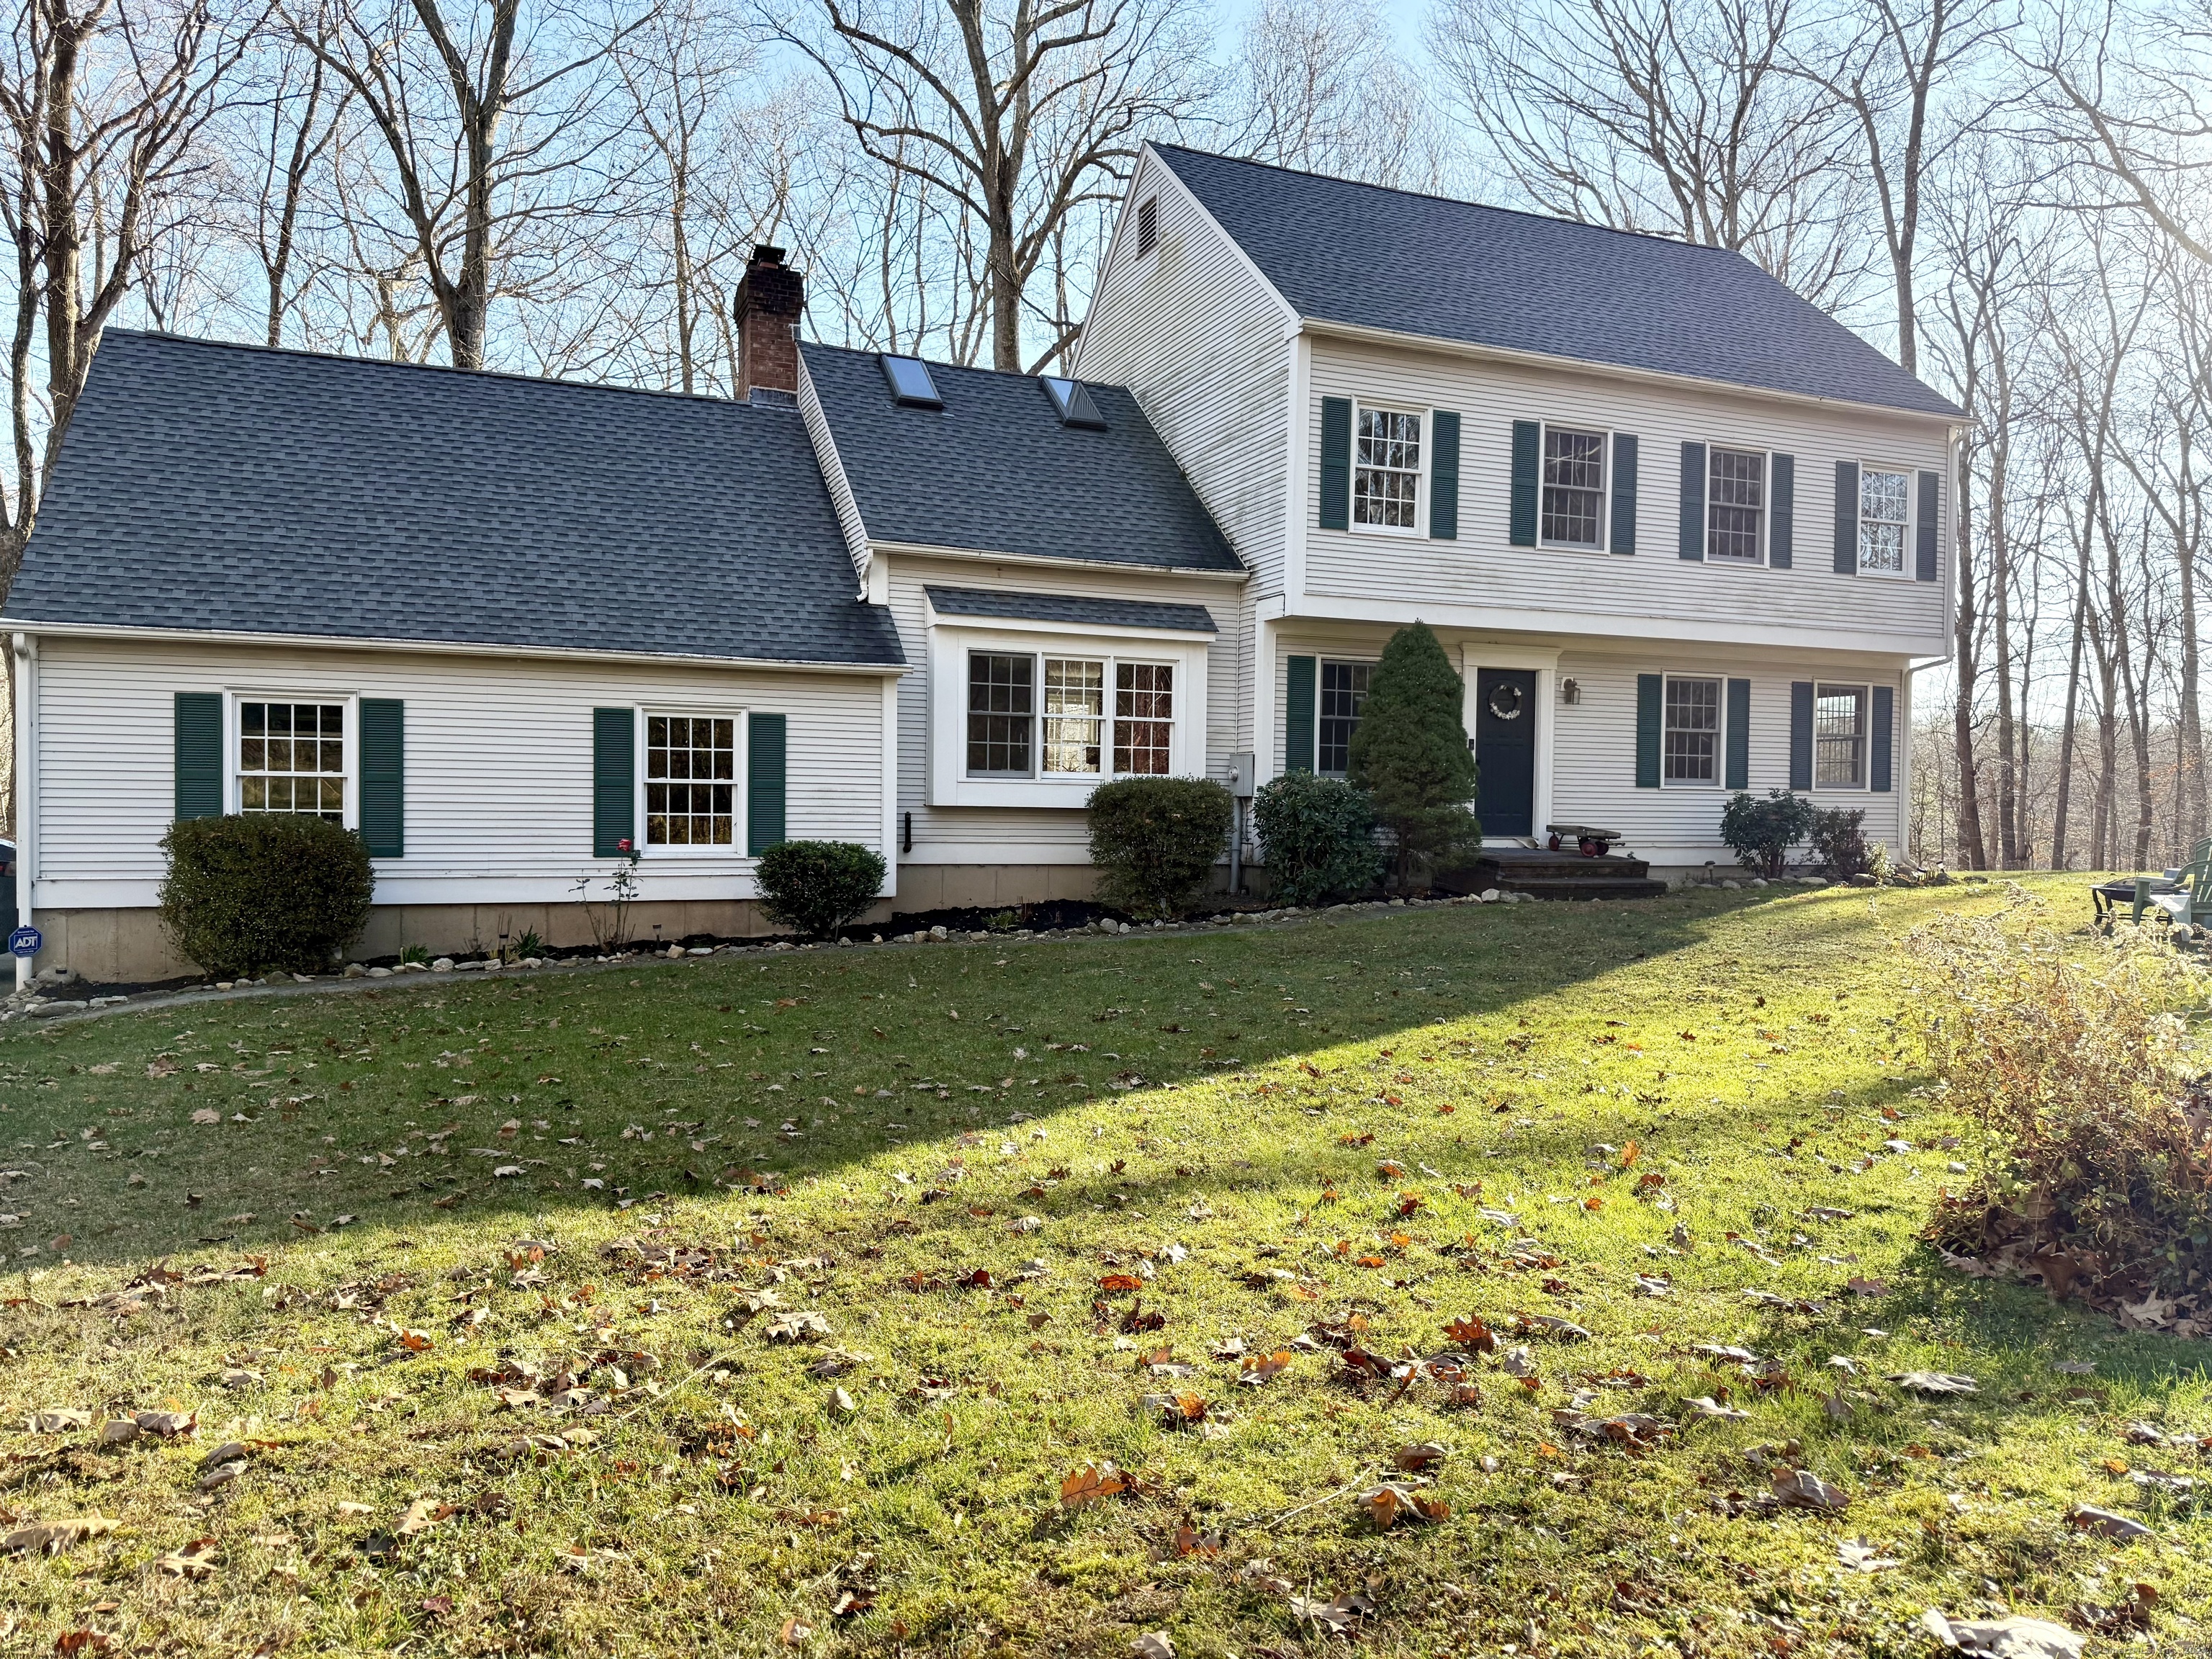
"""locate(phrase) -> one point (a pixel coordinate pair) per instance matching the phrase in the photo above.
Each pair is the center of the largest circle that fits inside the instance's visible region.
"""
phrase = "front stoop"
(1563, 875)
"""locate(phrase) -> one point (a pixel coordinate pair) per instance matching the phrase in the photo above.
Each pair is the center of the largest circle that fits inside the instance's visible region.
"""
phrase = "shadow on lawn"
(1338, 984)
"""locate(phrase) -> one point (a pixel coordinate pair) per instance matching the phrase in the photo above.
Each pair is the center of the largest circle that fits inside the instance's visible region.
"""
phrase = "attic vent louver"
(910, 382)
(1071, 398)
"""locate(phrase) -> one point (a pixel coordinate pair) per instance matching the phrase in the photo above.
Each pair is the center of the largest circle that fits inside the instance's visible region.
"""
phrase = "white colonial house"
(1684, 534)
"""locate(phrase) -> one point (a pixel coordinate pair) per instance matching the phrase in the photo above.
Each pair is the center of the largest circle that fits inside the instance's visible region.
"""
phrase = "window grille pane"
(690, 793)
(1074, 711)
(1884, 508)
(1144, 717)
(1574, 488)
(1343, 696)
(1736, 505)
(1694, 727)
(1839, 737)
(1001, 714)
(291, 758)
(1386, 480)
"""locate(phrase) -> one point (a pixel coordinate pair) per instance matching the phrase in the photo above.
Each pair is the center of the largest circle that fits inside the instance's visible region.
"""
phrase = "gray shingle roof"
(207, 486)
(1070, 608)
(994, 470)
(1346, 252)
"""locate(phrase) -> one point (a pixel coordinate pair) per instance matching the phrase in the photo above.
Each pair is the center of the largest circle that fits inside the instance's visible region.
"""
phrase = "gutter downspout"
(26, 648)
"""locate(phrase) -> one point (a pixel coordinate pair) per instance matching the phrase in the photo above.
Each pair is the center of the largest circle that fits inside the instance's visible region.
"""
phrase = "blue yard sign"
(26, 941)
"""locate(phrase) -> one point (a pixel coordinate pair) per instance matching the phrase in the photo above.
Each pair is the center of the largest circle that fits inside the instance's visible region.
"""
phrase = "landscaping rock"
(442, 965)
(2005, 1638)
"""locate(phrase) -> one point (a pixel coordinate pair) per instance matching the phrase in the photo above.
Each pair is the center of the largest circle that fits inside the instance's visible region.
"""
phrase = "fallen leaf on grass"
(71, 1641)
(1177, 1411)
(414, 1342)
(1861, 1557)
(421, 1516)
(1152, 1644)
(796, 1630)
(1803, 1489)
(195, 1560)
(1391, 1503)
(57, 1419)
(1189, 1541)
(170, 1426)
(1090, 1483)
(206, 1114)
(1256, 1368)
(797, 1328)
(2014, 1638)
(1336, 1616)
(1935, 1383)
(52, 1537)
(2106, 1524)
(1422, 1456)
(1471, 1333)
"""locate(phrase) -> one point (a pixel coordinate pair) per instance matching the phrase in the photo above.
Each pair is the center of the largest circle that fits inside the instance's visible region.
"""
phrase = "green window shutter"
(1649, 688)
(1801, 734)
(765, 795)
(384, 776)
(1924, 545)
(614, 782)
(1878, 751)
(1847, 518)
(1623, 492)
(1781, 515)
(1443, 476)
(1692, 526)
(1298, 716)
(1335, 463)
(1527, 462)
(199, 754)
(1739, 735)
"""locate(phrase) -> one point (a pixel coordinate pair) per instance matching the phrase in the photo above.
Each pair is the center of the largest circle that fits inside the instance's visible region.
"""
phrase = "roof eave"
(1057, 561)
(1369, 335)
(438, 648)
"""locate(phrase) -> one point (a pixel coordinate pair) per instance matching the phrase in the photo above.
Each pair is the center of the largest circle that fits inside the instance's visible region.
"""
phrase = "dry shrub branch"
(2075, 1058)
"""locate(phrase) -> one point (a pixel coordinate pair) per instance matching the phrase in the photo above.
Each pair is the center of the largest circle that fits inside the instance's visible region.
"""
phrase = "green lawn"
(1010, 1179)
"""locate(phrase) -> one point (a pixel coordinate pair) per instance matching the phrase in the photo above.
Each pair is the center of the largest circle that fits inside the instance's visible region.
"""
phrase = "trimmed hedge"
(817, 887)
(1317, 835)
(1154, 841)
(253, 892)
(1760, 833)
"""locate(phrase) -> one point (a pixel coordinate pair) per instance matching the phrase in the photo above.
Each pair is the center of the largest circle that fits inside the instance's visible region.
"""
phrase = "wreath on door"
(1505, 701)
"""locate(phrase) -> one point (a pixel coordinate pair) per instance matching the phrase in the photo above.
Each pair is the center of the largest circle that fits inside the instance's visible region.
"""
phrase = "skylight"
(910, 382)
(1073, 400)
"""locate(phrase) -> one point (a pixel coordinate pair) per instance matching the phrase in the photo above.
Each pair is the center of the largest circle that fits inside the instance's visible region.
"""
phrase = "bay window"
(1012, 733)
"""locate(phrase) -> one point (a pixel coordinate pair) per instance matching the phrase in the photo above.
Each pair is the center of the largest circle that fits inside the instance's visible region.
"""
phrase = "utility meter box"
(1241, 773)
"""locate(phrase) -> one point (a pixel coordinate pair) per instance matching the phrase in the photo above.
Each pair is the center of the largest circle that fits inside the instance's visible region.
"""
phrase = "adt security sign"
(26, 941)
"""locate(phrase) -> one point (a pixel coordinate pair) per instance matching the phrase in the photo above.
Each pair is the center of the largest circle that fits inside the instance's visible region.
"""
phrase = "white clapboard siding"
(1027, 836)
(1655, 591)
(1192, 331)
(833, 473)
(498, 762)
(1593, 743)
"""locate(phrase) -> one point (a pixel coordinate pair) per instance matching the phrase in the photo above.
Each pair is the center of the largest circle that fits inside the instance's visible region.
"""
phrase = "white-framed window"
(1386, 469)
(690, 779)
(1573, 505)
(1148, 225)
(1014, 733)
(1343, 696)
(1691, 747)
(292, 755)
(1885, 518)
(1735, 505)
(1840, 714)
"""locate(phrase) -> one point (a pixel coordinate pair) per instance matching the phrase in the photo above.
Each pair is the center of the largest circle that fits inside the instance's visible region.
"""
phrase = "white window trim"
(740, 831)
(234, 792)
(1765, 561)
(1604, 543)
(1322, 660)
(1865, 785)
(1719, 780)
(950, 643)
(1905, 571)
(1418, 530)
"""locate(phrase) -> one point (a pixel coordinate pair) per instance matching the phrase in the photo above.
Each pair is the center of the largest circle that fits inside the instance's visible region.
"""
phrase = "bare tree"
(1648, 116)
(1318, 86)
(1025, 114)
(105, 107)
(1886, 64)
(492, 138)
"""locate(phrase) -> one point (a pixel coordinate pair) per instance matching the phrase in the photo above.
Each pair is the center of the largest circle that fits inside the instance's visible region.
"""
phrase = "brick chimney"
(771, 296)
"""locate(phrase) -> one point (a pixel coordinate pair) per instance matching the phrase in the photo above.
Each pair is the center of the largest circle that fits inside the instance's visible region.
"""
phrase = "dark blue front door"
(1505, 750)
